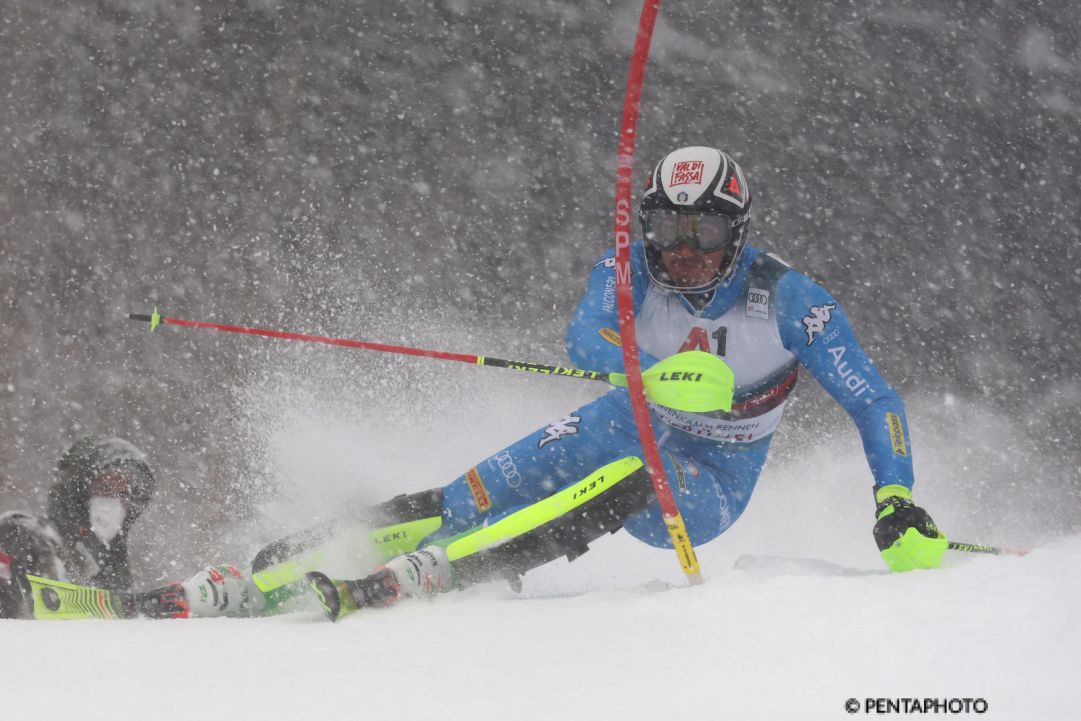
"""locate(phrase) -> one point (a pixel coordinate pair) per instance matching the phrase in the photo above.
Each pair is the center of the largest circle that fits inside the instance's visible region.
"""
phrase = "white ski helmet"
(695, 195)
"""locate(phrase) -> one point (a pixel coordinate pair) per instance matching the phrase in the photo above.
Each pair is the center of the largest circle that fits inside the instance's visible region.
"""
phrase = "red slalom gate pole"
(677, 531)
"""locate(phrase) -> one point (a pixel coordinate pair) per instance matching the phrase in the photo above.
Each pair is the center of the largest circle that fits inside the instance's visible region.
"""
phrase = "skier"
(697, 285)
(103, 486)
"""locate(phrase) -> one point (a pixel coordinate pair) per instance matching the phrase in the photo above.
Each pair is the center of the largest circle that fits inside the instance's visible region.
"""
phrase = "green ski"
(62, 601)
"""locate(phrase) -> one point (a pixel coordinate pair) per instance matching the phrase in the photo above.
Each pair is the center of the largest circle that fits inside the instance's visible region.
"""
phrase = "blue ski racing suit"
(765, 321)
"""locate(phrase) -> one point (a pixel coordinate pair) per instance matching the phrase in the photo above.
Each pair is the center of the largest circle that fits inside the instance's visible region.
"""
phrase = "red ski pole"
(155, 319)
(693, 381)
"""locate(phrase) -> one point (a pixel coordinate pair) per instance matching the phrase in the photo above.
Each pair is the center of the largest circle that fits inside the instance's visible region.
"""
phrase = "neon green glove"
(905, 534)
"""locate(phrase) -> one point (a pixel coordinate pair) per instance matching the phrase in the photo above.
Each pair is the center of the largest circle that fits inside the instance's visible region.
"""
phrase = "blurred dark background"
(442, 172)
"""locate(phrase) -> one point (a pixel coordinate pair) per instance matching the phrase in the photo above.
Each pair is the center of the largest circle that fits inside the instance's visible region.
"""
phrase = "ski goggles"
(666, 230)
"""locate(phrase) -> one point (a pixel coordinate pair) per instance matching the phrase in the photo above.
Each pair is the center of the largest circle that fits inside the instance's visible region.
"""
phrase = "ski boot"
(421, 574)
(215, 591)
(168, 601)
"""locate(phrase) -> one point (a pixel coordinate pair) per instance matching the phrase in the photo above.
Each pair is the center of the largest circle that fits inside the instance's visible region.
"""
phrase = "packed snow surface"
(609, 636)
(618, 633)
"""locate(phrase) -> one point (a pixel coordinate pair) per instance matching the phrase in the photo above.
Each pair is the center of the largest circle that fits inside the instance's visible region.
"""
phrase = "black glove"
(906, 536)
(16, 596)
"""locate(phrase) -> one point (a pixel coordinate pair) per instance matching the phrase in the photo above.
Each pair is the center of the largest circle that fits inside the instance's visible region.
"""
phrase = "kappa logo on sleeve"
(816, 319)
(563, 427)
